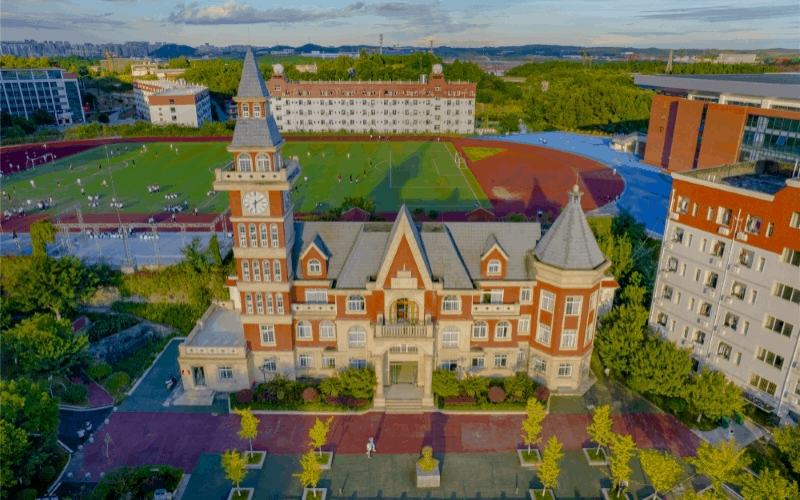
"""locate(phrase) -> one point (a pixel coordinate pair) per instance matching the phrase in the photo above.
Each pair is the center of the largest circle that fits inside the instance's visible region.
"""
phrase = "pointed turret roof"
(252, 82)
(570, 244)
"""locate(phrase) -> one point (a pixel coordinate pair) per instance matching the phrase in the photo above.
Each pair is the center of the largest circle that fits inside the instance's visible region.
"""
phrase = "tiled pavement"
(180, 439)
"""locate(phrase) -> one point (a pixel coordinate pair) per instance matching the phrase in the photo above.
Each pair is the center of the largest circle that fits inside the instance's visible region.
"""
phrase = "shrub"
(117, 381)
(244, 396)
(497, 395)
(104, 325)
(519, 387)
(76, 394)
(433, 215)
(445, 384)
(331, 386)
(286, 391)
(310, 395)
(47, 474)
(27, 494)
(542, 394)
(475, 387)
(345, 401)
(99, 371)
(359, 382)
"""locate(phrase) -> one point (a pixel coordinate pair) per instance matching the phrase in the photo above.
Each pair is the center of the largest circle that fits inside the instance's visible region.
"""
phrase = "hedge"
(182, 317)
(104, 325)
(76, 394)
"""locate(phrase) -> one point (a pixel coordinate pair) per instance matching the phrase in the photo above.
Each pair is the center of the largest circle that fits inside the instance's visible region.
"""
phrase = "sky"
(676, 24)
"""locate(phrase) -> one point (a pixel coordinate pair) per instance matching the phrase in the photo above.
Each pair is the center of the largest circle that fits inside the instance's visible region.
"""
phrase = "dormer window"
(493, 268)
(245, 110)
(356, 304)
(245, 163)
(314, 267)
(257, 110)
(262, 163)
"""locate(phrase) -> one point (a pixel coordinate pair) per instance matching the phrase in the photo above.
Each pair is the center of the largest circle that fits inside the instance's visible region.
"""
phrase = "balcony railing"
(404, 330)
(313, 308)
(291, 168)
(496, 309)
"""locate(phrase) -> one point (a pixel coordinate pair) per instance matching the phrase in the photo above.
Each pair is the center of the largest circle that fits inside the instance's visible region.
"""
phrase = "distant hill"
(173, 50)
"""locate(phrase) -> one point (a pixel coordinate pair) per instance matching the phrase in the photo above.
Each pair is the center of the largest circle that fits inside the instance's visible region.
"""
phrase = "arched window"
(450, 337)
(266, 271)
(274, 233)
(253, 236)
(327, 330)
(245, 110)
(279, 303)
(270, 309)
(357, 337)
(479, 330)
(276, 266)
(263, 230)
(451, 303)
(245, 163)
(502, 330)
(494, 267)
(356, 304)
(256, 271)
(246, 270)
(242, 236)
(257, 110)
(314, 267)
(259, 301)
(304, 330)
(262, 163)
(248, 301)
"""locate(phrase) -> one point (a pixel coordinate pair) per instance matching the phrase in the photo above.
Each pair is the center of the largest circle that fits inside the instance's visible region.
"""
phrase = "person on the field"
(104, 183)
(33, 184)
(340, 178)
(83, 191)
(170, 146)
(351, 178)
(134, 162)
(79, 181)
(58, 183)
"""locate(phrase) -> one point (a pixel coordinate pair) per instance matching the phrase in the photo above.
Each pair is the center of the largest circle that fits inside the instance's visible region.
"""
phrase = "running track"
(178, 439)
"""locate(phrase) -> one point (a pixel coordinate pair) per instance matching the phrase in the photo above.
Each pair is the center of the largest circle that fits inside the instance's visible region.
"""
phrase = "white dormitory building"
(396, 107)
(166, 102)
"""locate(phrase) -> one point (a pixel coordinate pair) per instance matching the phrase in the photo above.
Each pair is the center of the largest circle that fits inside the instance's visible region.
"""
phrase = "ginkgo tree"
(532, 426)
(722, 463)
(235, 467)
(622, 450)
(662, 469)
(249, 429)
(550, 468)
(769, 485)
(309, 476)
(600, 428)
(319, 433)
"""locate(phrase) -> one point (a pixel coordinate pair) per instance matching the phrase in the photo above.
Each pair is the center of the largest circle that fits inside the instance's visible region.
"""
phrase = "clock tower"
(259, 182)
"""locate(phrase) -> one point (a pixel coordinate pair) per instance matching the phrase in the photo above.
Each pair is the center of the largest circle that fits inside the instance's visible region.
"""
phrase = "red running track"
(178, 439)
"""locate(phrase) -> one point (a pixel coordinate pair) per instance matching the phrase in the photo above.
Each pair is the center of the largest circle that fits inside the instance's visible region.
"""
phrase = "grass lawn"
(243, 495)
(612, 495)
(423, 175)
(596, 455)
(476, 154)
(538, 495)
(530, 457)
(188, 174)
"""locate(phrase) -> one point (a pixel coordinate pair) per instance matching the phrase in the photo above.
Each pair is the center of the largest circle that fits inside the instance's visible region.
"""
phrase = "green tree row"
(146, 129)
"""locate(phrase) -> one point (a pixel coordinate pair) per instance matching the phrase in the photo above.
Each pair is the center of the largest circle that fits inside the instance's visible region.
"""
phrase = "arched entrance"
(404, 311)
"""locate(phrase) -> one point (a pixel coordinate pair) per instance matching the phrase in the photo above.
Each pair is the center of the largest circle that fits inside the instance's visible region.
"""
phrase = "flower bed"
(461, 400)
(313, 406)
(485, 406)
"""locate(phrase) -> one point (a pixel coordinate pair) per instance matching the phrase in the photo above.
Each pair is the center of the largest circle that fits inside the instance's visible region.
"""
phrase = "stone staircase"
(404, 406)
(195, 397)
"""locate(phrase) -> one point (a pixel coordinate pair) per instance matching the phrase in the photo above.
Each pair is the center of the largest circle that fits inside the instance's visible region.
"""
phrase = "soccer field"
(422, 175)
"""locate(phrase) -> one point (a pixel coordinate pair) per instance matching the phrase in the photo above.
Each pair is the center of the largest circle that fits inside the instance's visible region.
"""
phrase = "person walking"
(370, 448)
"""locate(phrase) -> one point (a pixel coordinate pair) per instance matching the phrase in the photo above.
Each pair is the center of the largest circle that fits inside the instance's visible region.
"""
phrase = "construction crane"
(108, 58)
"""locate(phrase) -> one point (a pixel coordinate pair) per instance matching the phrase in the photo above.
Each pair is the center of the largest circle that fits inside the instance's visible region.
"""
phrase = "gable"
(403, 264)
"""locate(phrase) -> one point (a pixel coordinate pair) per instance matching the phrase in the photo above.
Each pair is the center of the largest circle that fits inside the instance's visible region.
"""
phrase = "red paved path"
(178, 439)
(98, 396)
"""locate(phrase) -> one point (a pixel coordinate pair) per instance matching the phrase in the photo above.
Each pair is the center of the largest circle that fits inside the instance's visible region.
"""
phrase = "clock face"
(255, 202)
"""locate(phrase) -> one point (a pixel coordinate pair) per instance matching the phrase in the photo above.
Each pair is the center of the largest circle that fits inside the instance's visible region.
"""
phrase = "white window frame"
(572, 306)
(327, 330)
(494, 268)
(266, 267)
(274, 235)
(276, 271)
(314, 267)
(328, 362)
(544, 334)
(547, 301)
(270, 365)
(256, 110)
(270, 304)
(279, 303)
(450, 336)
(243, 235)
(480, 326)
(451, 304)
(256, 270)
(526, 295)
(358, 332)
(245, 110)
(497, 330)
(501, 360)
(304, 331)
(316, 295)
(253, 236)
(245, 270)
(244, 162)
(263, 163)
(564, 370)
(478, 362)
(259, 303)
(248, 302)
(524, 324)
(590, 333)
(267, 333)
(225, 372)
(305, 361)
(495, 296)
(356, 304)
(569, 339)
(539, 365)
(450, 365)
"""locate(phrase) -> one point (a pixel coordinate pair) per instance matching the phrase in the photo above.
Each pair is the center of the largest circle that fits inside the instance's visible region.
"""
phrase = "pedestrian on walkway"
(370, 448)
(730, 433)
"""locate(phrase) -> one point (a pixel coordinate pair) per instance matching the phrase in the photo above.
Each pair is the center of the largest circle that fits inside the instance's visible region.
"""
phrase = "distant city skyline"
(680, 24)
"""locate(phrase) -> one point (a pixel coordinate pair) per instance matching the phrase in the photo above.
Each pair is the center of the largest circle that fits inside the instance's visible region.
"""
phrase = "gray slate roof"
(569, 243)
(256, 132)
(516, 239)
(252, 82)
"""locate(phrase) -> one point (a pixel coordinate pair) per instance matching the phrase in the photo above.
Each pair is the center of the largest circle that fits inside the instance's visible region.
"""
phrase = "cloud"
(411, 18)
(722, 14)
(640, 34)
(59, 21)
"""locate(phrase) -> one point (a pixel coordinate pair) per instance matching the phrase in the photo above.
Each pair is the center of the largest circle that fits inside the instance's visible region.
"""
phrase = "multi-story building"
(728, 285)
(54, 90)
(433, 106)
(310, 298)
(164, 102)
(701, 121)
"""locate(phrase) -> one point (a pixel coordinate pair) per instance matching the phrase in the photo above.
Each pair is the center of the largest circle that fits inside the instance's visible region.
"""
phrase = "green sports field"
(422, 175)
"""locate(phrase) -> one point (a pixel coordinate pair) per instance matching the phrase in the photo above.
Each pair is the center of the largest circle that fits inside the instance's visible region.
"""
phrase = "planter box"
(429, 479)
(548, 494)
(247, 491)
(524, 463)
(308, 493)
(326, 465)
(595, 463)
(606, 494)
(260, 463)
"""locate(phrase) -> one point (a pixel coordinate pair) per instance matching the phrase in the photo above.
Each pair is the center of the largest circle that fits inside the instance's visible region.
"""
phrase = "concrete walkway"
(742, 434)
